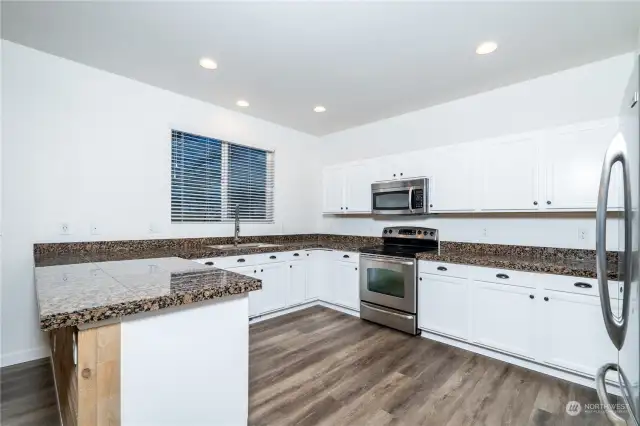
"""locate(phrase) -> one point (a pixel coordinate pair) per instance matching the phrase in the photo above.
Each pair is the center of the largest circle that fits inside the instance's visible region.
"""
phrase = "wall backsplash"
(545, 230)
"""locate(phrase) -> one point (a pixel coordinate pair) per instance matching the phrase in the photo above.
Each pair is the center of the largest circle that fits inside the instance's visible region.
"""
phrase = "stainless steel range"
(388, 277)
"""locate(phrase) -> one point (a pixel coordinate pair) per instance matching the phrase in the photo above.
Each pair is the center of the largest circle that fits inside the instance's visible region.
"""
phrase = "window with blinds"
(209, 177)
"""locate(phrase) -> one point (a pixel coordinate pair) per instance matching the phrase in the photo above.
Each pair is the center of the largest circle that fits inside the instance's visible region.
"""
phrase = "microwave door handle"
(616, 328)
(411, 199)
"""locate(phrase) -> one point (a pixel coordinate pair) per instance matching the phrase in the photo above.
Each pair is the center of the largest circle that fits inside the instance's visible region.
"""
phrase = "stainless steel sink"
(245, 245)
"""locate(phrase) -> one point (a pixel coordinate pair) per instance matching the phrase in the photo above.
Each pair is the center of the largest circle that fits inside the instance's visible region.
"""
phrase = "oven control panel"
(412, 232)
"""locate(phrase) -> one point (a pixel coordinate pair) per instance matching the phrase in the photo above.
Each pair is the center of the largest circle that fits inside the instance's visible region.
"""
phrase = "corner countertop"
(88, 292)
(572, 262)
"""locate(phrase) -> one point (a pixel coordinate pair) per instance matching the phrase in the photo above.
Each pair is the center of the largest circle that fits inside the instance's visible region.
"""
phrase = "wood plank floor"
(322, 367)
(27, 395)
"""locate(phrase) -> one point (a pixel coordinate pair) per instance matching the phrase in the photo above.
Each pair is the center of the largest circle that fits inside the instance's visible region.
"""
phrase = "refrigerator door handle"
(616, 328)
(601, 389)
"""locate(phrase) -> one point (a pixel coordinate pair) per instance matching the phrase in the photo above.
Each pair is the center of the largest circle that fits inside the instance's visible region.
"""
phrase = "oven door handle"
(385, 259)
(373, 308)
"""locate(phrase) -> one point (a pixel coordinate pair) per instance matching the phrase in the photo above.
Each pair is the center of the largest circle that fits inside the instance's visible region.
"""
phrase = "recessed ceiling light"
(319, 108)
(208, 63)
(242, 103)
(486, 47)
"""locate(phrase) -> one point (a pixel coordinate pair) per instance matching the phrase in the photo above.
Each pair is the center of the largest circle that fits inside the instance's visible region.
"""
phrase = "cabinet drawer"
(229, 261)
(503, 276)
(345, 256)
(586, 286)
(265, 258)
(444, 269)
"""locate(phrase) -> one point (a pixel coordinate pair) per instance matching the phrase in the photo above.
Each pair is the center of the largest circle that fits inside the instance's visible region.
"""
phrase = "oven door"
(388, 281)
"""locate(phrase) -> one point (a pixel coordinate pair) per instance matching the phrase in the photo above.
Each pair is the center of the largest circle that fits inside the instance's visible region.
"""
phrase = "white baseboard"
(530, 365)
(281, 312)
(18, 357)
(339, 308)
(305, 305)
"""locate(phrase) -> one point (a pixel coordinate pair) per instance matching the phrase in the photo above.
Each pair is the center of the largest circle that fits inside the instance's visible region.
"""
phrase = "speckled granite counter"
(86, 292)
(573, 262)
(196, 248)
(112, 292)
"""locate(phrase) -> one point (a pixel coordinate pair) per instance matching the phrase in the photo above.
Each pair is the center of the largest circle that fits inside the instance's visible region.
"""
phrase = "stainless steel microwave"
(400, 197)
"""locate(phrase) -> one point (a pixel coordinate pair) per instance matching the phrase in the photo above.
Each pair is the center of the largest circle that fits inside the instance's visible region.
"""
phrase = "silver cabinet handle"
(616, 328)
(601, 389)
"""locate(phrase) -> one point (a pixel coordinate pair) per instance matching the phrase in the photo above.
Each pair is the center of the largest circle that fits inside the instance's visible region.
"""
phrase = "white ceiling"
(363, 61)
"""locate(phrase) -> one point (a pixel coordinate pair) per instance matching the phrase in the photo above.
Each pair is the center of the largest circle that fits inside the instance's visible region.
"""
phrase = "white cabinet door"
(503, 317)
(510, 174)
(443, 305)
(452, 182)
(275, 285)
(297, 282)
(345, 285)
(256, 298)
(358, 177)
(573, 332)
(573, 161)
(333, 182)
(316, 275)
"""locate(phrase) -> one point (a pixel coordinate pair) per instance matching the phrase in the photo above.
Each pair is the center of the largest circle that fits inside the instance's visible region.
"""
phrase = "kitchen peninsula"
(129, 336)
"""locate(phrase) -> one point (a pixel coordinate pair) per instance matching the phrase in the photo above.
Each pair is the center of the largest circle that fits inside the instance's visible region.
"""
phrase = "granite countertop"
(572, 262)
(86, 282)
(192, 252)
(85, 291)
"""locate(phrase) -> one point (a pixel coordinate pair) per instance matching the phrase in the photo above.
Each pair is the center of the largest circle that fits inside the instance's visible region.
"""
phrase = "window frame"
(226, 214)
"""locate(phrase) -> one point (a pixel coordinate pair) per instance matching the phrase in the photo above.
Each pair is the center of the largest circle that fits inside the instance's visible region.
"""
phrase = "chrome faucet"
(236, 238)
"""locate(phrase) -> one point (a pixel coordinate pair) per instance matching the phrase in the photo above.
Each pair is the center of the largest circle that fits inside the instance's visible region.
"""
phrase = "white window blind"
(209, 177)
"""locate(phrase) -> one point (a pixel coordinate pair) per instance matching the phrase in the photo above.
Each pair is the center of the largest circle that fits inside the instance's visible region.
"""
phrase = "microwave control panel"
(418, 199)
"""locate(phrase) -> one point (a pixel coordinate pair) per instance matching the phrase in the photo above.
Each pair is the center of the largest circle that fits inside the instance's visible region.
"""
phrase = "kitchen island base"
(180, 365)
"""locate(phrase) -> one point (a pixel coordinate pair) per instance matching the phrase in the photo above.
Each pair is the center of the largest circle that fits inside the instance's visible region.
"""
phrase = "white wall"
(589, 92)
(82, 146)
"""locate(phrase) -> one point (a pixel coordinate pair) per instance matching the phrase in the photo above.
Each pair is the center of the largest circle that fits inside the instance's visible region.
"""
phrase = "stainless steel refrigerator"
(623, 327)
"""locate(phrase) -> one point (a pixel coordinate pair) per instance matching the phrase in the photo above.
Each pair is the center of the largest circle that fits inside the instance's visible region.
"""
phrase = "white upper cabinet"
(547, 170)
(510, 174)
(347, 188)
(573, 161)
(451, 183)
(408, 165)
(358, 178)
(333, 184)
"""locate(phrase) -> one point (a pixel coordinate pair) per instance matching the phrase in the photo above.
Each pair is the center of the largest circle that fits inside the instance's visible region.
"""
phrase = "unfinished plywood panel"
(64, 371)
(99, 376)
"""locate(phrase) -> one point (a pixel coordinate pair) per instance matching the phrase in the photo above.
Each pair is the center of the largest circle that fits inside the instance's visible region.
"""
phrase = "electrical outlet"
(65, 229)
(583, 234)
(94, 229)
(153, 228)
(484, 232)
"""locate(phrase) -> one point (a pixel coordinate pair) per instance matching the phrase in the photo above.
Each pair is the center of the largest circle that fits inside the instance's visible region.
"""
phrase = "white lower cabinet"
(344, 282)
(275, 286)
(297, 282)
(574, 333)
(443, 305)
(255, 297)
(560, 328)
(316, 276)
(503, 316)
